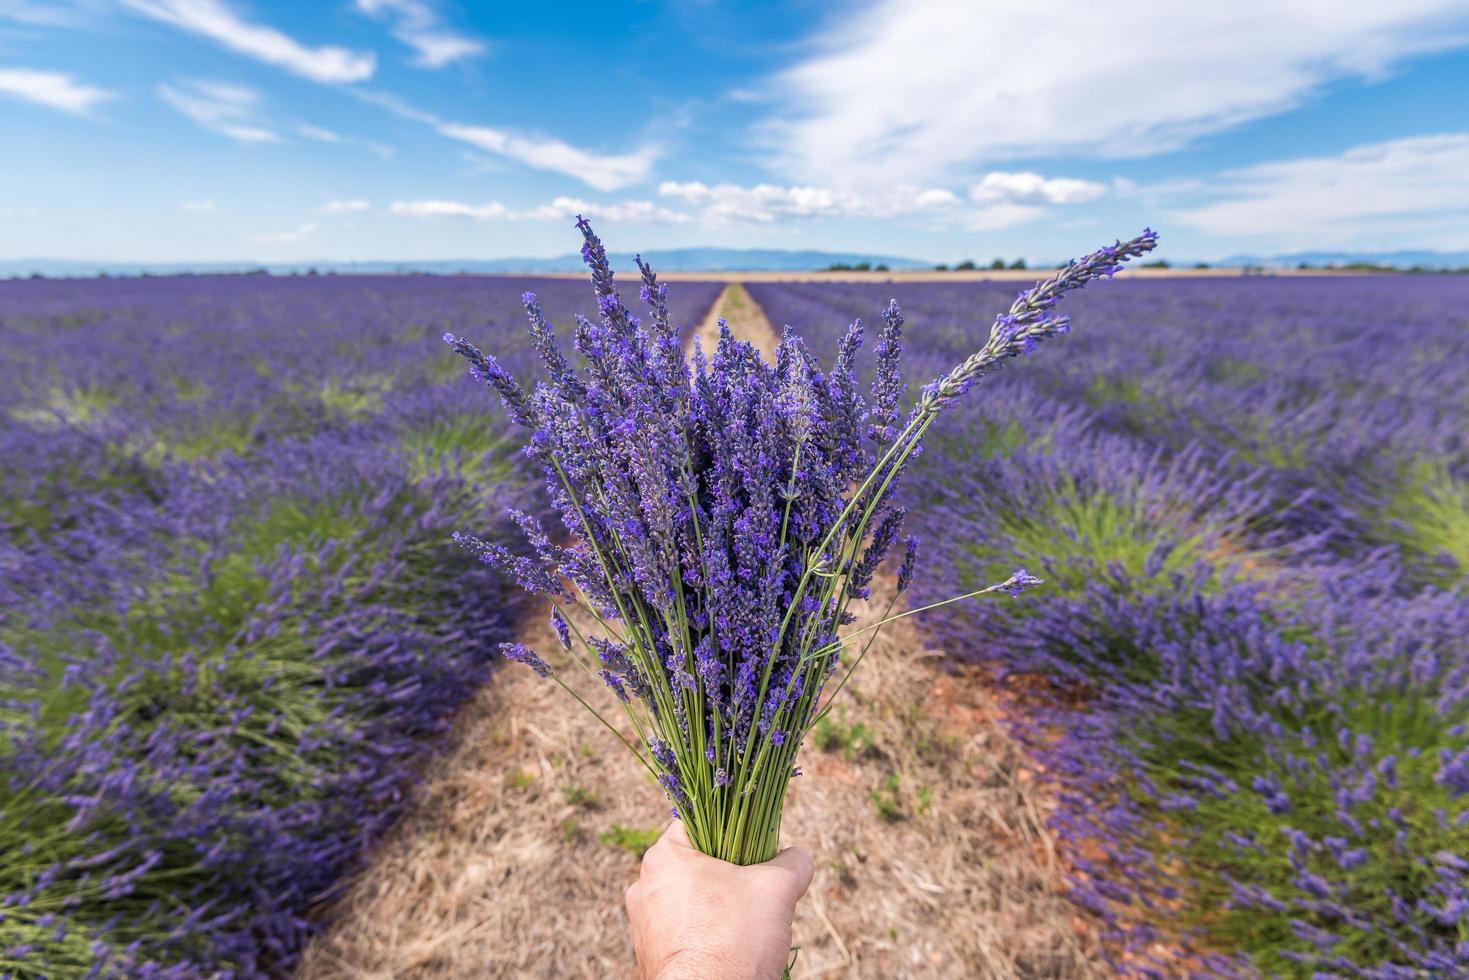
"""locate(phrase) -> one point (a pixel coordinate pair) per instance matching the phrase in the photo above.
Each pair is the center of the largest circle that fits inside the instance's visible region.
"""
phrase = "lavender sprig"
(725, 518)
(1032, 318)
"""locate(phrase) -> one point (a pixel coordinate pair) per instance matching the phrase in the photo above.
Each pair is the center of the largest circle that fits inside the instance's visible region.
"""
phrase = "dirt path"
(924, 816)
(746, 320)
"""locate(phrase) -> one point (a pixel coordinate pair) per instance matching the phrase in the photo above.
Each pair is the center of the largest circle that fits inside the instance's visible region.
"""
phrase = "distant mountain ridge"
(666, 260)
(1401, 259)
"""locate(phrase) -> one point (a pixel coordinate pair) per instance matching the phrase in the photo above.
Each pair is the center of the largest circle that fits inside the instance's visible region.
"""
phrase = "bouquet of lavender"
(722, 517)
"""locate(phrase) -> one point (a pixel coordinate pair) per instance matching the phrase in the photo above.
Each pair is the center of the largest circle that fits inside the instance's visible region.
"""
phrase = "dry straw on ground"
(925, 819)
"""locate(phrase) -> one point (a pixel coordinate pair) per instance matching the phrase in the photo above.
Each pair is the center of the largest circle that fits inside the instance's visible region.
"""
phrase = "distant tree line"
(969, 265)
(1375, 268)
(857, 267)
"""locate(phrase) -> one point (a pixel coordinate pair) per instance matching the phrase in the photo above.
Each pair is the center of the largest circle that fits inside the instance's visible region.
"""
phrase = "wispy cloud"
(417, 25)
(53, 89)
(560, 209)
(320, 134)
(217, 21)
(199, 207)
(602, 171)
(605, 172)
(1407, 190)
(229, 110)
(42, 14)
(297, 234)
(345, 207)
(972, 85)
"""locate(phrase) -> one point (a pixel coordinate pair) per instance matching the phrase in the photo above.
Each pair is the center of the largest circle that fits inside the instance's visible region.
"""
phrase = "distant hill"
(669, 260)
(1404, 259)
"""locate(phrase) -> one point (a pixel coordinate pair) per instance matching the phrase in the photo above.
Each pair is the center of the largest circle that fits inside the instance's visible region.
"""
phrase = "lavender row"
(231, 614)
(1250, 501)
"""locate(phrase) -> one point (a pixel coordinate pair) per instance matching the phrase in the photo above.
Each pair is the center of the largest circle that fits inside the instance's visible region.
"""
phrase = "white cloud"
(1031, 188)
(643, 212)
(44, 14)
(910, 91)
(560, 209)
(1006, 214)
(317, 133)
(199, 207)
(50, 88)
(215, 20)
(1410, 190)
(416, 24)
(344, 207)
(767, 203)
(605, 172)
(320, 134)
(229, 110)
(450, 209)
(297, 234)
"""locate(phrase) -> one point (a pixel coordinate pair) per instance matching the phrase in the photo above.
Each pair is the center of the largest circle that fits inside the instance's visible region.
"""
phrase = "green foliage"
(887, 800)
(520, 779)
(464, 443)
(1428, 815)
(1072, 531)
(630, 839)
(835, 735)
(236, 432)
(68, 406)
(1427, 515)
(581, 796)
(358, 397)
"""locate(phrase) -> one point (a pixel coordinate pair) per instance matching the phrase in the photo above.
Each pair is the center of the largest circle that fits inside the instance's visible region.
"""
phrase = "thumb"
(797, 870)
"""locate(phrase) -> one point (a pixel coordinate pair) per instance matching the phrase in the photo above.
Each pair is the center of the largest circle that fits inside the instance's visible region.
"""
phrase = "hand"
(695, 917)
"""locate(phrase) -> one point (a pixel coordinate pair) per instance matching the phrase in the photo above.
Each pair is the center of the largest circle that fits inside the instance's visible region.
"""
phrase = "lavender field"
(232, 620)
(1250, 501)
(231, 616)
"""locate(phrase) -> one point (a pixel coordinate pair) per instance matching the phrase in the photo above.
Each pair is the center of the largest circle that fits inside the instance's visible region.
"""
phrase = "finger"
(668, 849)
(675, 833)
(797, 865)
(630, 897)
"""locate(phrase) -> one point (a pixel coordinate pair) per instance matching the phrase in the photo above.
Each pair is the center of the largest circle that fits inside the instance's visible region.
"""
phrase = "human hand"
(695, 917)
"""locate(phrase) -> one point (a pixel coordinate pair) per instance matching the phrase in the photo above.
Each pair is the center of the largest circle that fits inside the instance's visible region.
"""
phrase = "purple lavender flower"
(910, 560)
(521, 654)
(1019, 582)
(724, 518)
(563, 631)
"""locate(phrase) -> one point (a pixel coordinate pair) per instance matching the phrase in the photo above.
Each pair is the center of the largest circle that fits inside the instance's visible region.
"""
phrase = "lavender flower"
(521, 654)
(724, 519)
(1032, 318)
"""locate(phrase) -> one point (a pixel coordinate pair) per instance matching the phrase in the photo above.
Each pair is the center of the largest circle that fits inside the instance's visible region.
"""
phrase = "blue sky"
(222, 130)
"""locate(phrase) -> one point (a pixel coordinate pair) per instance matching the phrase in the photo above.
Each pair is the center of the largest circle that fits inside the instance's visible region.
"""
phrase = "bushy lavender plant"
(722, 520)
(1248, 498)
(228, 623)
